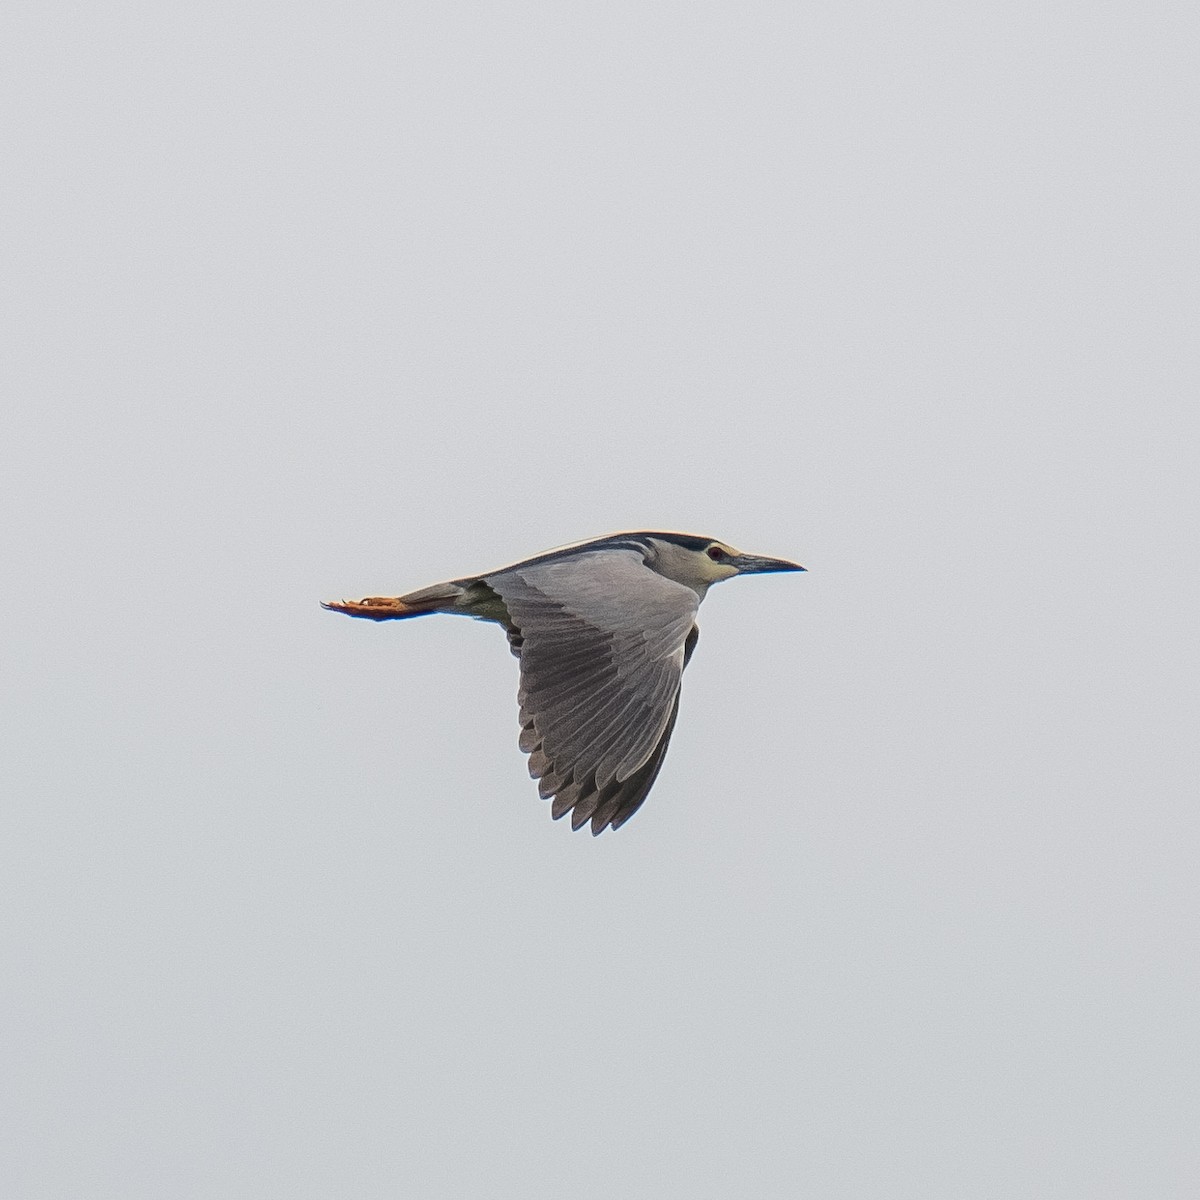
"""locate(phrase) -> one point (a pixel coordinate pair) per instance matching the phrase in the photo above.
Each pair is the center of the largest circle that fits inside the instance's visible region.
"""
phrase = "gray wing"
(603, 641)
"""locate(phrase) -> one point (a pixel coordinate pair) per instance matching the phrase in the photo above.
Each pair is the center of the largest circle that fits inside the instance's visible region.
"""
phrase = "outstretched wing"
(603, 641)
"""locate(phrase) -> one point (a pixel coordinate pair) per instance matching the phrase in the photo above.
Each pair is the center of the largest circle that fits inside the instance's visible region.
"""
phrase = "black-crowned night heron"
(603, 630)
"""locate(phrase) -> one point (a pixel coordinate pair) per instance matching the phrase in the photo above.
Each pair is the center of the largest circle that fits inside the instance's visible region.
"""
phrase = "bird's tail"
(442, 597)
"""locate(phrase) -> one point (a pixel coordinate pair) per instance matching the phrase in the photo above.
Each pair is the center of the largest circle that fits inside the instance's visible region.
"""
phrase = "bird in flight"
(603, 630)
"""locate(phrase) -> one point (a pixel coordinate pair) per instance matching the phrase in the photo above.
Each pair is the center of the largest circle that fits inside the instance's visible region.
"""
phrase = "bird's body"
(603, 630)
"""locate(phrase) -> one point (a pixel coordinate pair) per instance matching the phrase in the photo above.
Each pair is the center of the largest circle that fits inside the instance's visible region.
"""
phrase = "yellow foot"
(376, 608)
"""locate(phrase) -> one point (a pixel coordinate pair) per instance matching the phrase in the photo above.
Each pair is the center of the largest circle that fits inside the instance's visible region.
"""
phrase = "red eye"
(716, 553)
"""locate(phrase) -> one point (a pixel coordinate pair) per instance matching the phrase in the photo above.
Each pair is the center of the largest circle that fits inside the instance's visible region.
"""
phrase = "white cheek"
(714, 572)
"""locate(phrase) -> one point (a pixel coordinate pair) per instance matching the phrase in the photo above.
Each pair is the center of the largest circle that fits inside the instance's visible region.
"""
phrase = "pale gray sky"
(303, 301)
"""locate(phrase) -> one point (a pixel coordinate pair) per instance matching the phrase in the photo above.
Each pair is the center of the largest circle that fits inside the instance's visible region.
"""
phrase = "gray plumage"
(603, 631)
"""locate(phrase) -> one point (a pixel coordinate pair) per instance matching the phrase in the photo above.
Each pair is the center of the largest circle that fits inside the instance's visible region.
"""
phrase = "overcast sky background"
(310, 301)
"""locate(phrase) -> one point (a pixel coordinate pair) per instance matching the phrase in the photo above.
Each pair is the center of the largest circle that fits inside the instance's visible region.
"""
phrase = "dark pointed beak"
(751, 564)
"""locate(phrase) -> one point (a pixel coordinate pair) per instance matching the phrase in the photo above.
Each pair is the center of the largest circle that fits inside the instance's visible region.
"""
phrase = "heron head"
(701, 562)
